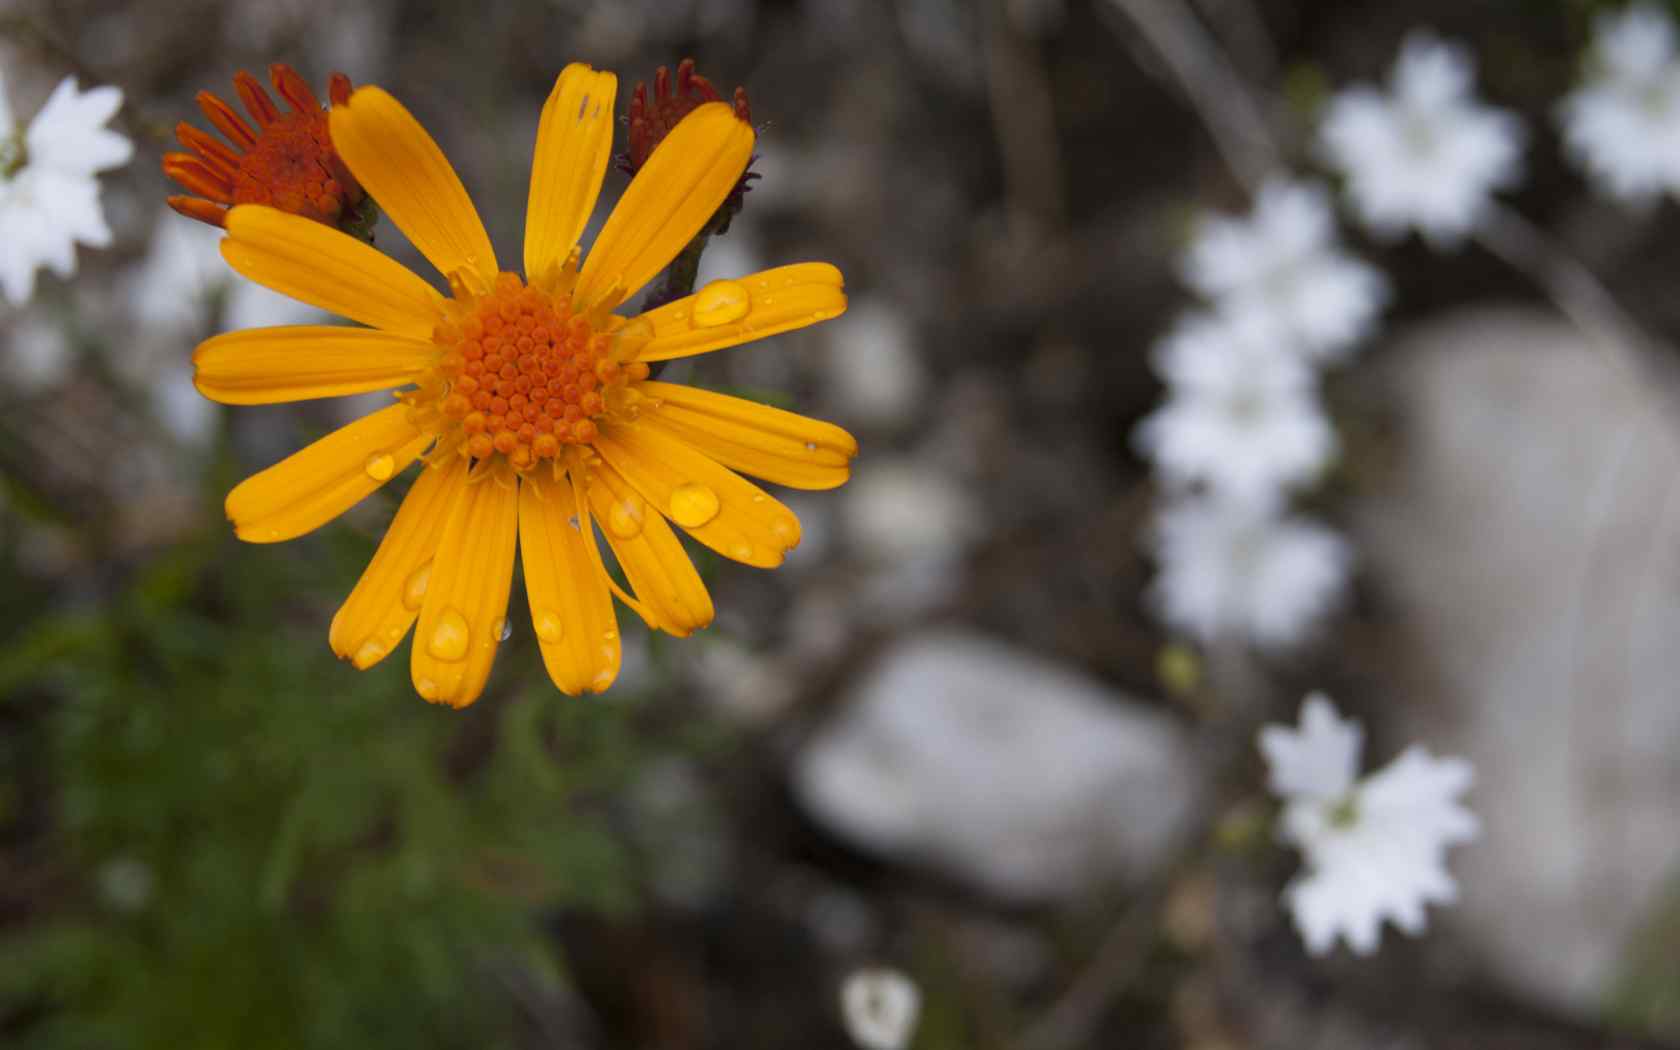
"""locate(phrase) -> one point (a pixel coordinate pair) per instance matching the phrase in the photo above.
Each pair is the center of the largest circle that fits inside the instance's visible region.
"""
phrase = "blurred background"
(948, 735)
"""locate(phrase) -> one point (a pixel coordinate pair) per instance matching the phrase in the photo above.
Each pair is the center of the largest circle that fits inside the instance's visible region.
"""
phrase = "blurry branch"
(1024, 118)
(1239, 24)
(1072, 1019)
(1210, 83)
(1581, 297)
(1237, 678)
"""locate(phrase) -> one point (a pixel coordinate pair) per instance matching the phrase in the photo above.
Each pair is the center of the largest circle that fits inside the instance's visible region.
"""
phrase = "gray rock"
(1000, 769)
(1530, 540)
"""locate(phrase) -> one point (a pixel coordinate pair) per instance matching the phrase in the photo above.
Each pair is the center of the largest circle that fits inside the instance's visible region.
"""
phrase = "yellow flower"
(529, 403)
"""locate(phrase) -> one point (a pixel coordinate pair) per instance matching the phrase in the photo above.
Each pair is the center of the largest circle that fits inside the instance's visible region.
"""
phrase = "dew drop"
(786, 531)
(693, 505)
(549, 626)
(505, 631)
(742, 552)
(380, 466)
(449, 636)
(760, 498)
(427, 688)
(810, 446)
(369, 654)
(602, 681)
(609, 635)
(414, 591)
(625, 517)
(720, 303)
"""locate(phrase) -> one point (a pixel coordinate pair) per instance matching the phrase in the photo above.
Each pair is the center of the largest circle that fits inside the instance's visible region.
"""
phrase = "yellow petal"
(312, 487)
(385, 601)
(260, 366)
(466, 598)
(318, 265)
(405, 171)
(574, 142)
(712, 503)
(571, 608)
(670, 199)
(659, 570)
(755, 439)
(779, 300)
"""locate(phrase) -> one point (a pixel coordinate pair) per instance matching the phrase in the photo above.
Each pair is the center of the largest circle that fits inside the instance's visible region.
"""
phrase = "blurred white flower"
(880, 1007)
(1241, 414)
(874, 369)
(1375, 848)
(49, 196)
(1280, 265)
(1623, 123)
(912, 524)
(37, 355)
(1426, 155)
(1232, 570)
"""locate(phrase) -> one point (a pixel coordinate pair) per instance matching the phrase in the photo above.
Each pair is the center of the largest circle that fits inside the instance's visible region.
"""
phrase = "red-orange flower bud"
(285, 160)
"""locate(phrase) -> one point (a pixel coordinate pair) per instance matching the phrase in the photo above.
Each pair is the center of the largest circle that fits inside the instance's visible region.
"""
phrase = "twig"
(1023, 114)
(1578, 294)
(1228, 110)
(1240, 26)
(1119, 959)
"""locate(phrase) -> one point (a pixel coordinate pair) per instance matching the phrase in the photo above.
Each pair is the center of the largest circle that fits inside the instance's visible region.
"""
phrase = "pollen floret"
(286, 161)
(522, 374)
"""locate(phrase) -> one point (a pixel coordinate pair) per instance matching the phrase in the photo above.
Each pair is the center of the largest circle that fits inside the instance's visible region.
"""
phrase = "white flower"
(1241, 414)
(49, 198)
(1374, 849)
(1234, 570)
(1281, 267)
(880, 1007)
(1426, 155)
(1623, 124)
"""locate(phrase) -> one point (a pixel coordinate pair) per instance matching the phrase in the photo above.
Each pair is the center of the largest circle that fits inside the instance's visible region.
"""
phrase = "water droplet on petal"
(602, 681)
(449, 636)
(414, 590)
(505, 631)
(609, 635)
(549, 626)
(625, 517)
(427, 688)
(693, 505)
(760, 498)
(370, 653)
(380, 466)
(720, 303)
(810, 446)
(741, 552)
(786, 530)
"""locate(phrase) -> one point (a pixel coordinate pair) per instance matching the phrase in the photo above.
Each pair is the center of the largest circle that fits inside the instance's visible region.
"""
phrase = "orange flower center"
(523, 375)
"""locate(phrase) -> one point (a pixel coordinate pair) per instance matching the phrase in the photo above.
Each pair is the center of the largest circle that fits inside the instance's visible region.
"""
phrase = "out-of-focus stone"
(1000, 769)
(1528, 537)
(875, 374)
